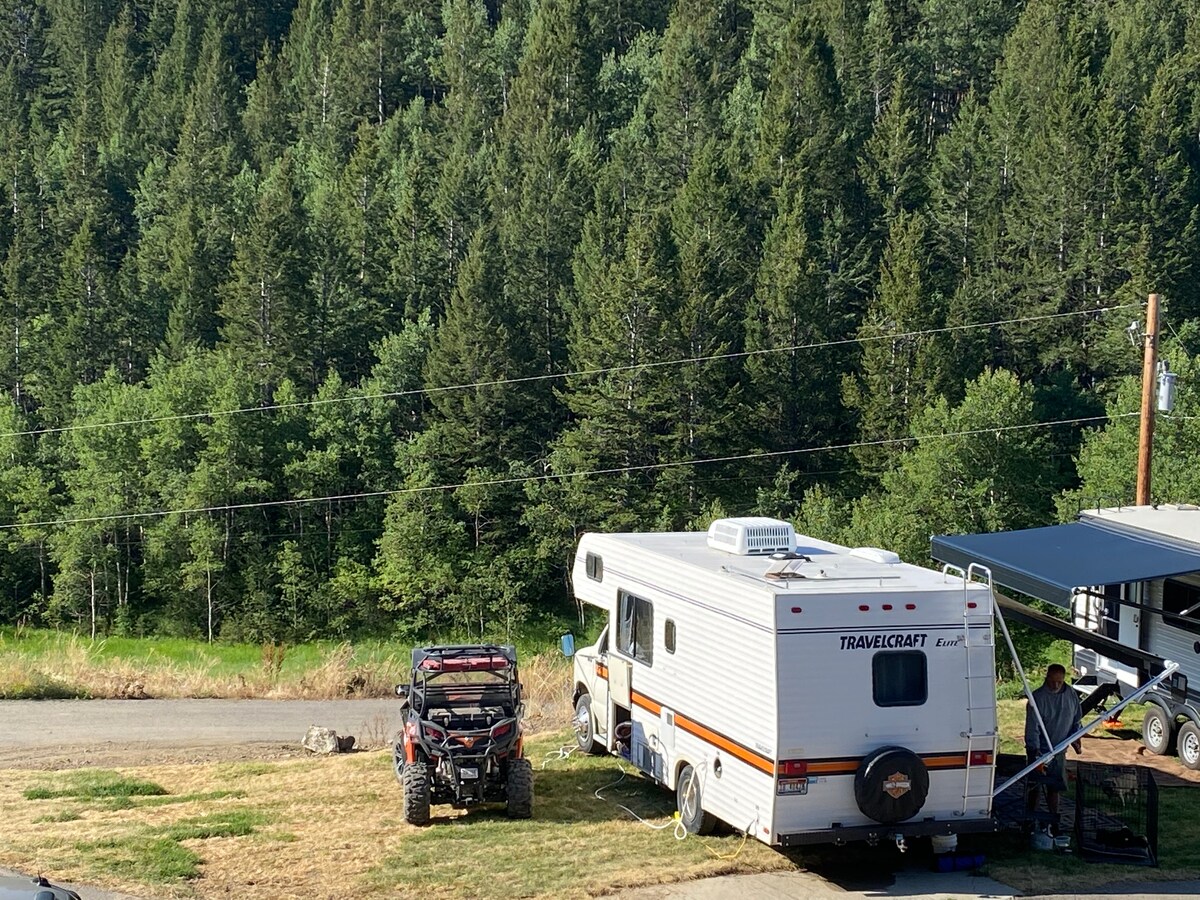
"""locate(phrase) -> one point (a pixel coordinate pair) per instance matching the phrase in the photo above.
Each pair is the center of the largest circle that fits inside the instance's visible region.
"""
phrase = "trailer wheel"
(416, 793)
(891, 785)
(1158, 730)
(585, 729)
(519, 789)
(1189, 745)
(690, 803)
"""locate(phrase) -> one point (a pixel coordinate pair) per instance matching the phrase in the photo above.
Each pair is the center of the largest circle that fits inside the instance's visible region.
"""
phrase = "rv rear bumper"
(838, 834)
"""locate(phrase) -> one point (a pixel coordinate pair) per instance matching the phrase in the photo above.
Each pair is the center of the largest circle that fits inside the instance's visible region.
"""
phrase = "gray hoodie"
(1060, 712)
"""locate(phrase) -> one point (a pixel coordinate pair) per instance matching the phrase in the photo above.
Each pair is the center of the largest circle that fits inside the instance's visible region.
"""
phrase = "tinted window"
(595, 567)
(635, 627)
(669, 635)
(899, 678)
(1181, 598)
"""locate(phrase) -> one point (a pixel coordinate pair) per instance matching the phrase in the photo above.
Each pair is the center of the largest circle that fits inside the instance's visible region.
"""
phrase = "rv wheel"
(689, 802)
(1189, 745)
(585, 729)
(891, 785)
(1158, 730)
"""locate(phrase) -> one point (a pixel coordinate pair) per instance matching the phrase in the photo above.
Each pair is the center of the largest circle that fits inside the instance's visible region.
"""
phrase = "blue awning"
(1050, 563)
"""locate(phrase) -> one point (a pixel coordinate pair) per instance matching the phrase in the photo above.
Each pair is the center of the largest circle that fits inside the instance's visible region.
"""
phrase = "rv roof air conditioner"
(751, 536)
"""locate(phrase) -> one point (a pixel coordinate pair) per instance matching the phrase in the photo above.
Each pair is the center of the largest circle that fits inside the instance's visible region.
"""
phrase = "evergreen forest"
(331, 318)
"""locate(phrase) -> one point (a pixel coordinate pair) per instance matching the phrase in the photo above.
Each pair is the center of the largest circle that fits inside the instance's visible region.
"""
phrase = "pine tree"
(900, 371)
(266, 307)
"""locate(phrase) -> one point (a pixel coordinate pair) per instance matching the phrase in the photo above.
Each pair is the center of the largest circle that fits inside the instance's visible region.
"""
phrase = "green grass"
(95, 784)
(1012, 862)
(584, 844)
(44, 664)
(157, 855)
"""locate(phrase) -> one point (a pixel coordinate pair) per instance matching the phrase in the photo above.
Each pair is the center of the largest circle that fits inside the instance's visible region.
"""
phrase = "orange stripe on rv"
(707, 735)
(747, 756)
(645, 702)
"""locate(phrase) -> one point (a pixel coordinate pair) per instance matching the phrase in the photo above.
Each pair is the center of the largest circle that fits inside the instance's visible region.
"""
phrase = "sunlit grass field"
(43, 664)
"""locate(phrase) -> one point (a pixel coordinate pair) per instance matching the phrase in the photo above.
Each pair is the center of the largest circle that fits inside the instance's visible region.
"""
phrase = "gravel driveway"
(56, 733)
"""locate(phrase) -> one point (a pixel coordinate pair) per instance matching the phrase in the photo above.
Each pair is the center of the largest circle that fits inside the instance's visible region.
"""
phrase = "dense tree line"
(435, 261)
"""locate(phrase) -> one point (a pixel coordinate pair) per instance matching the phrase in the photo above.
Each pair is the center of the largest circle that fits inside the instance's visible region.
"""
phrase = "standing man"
(1060, 711)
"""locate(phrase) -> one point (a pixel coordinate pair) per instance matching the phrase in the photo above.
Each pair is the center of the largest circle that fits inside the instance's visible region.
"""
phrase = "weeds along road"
(54, 733)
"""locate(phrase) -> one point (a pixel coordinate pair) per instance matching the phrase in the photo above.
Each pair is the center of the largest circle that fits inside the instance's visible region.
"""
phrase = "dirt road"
(47, 734)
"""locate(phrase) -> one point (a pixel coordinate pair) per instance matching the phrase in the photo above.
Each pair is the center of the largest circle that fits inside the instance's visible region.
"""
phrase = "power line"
(582, 373)
(497, 482)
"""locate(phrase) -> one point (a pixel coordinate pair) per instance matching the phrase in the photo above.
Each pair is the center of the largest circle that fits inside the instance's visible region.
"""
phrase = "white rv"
(797, 690)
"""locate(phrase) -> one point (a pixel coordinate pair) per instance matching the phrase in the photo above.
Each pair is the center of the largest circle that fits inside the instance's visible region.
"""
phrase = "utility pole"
(1149, 384)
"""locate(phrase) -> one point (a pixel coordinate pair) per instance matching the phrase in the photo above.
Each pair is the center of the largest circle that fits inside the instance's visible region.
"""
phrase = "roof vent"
(751, 536)
(874, 554)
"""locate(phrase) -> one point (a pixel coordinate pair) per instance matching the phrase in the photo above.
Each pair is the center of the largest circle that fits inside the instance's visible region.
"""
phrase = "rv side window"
(1181, 598)
(669, 635)
(635, 628)
(900, 678)
(595, 567)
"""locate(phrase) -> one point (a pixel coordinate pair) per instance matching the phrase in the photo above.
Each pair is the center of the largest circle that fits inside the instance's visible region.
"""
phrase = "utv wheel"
(1158, 730)
(398, 762)
(585, 731)
(519, 790)
(416, 793)
(1189, 745)
(690, 803)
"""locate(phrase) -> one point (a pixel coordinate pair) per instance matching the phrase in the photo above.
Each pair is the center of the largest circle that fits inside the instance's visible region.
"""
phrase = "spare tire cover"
(891, 785)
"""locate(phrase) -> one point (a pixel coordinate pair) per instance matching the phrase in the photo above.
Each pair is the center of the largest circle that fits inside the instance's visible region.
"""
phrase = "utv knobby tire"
(891, 785)
(416, 793)
(689, 800)
(585, 726)
(1158, 730)
(519, 789)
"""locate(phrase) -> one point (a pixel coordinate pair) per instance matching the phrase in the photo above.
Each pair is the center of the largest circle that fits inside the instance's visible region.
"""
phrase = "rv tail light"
(789, 767)
(980, 758)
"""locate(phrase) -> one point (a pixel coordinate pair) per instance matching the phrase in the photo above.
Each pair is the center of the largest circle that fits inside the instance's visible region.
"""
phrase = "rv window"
(900, 678)
(635, 628)
(595, 567)
(669, 635)
(1181, 598)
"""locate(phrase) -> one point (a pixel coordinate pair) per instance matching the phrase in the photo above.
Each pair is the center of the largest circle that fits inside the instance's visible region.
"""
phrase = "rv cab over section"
(800, 691)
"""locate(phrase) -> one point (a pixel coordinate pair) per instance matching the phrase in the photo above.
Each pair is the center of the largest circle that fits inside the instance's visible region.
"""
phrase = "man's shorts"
(1054, 778)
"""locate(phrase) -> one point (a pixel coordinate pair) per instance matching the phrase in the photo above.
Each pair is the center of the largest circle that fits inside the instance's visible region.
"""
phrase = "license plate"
(793, 786)
(469, 772)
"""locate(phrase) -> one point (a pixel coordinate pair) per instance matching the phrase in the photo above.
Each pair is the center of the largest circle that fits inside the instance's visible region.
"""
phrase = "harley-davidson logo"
(897, 785)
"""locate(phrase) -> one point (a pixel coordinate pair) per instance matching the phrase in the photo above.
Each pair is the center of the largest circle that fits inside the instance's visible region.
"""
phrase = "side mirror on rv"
(567, 642)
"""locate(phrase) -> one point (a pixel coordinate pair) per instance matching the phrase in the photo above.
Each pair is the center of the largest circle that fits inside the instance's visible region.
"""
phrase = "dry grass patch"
(330, 827)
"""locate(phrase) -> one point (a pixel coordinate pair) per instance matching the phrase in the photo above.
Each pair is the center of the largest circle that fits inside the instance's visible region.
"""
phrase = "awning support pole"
(1037, 713)
(1067, 742)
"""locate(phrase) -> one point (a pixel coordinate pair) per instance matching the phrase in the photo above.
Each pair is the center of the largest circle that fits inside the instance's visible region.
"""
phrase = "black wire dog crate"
(1116, 814)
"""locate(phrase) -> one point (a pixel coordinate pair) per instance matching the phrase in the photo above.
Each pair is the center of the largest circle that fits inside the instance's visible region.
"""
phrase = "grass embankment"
(44, 665)
(331, 827)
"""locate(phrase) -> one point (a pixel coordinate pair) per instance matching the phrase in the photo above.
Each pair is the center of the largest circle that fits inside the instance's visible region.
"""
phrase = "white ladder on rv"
(981, 697)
